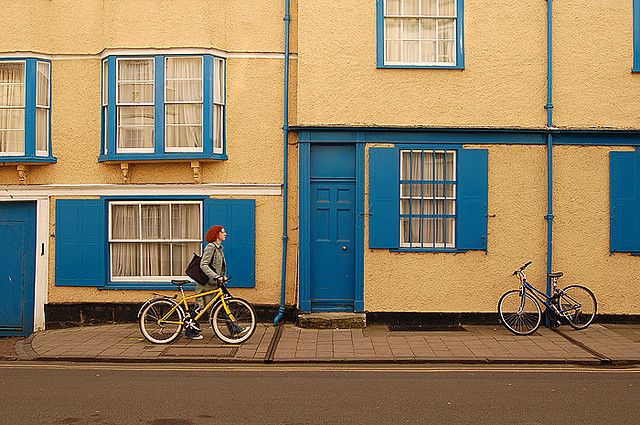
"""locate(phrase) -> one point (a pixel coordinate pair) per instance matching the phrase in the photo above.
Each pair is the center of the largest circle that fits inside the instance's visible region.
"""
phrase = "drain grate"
(426, 328)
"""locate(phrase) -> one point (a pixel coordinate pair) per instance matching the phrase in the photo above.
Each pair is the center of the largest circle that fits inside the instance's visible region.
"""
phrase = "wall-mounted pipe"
(285, 186)
(549, 108)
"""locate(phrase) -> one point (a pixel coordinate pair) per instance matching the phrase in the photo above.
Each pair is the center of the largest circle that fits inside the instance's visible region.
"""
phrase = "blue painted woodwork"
(81, 242)
(305, 226)
(459, 40)
(238, 217)
(625, 201)
(358, 303)
(159, 153)
(332, 245)
(334, 162)
(17, 267)
(636, 35)
(384, 198)
(473, 189)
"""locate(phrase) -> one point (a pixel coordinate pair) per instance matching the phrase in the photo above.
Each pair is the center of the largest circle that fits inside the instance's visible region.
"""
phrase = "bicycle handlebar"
(522, 268)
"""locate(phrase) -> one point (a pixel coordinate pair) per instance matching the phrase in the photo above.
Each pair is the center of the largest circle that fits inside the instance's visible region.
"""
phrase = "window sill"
(27, 160)
(174, 156)
(434, 250)
(459, 67)
(145, 286)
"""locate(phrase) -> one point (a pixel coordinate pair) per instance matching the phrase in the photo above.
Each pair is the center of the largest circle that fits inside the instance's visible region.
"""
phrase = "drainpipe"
(285, 187)
(549, 108)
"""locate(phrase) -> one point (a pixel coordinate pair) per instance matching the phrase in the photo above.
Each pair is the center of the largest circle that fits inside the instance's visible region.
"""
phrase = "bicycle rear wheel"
(160, 331)
(522, 316)
(578, 305)
(238, 330)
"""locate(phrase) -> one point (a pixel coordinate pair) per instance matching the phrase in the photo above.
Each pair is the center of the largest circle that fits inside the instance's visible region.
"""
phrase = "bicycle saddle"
(180, 282)
(556, 274)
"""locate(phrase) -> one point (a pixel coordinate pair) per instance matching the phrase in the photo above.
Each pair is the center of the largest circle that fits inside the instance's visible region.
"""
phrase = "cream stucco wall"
(517, 232)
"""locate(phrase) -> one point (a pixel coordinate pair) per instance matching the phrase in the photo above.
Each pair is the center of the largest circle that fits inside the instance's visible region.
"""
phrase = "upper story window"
(420, 33)
(163, 107)
(25, 110)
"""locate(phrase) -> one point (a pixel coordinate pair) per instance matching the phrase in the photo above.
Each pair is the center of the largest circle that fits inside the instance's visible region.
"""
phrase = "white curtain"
(42, 107)
(135, 86)
(184, 102)
(167, 235)
(12, 99)
(420, 31)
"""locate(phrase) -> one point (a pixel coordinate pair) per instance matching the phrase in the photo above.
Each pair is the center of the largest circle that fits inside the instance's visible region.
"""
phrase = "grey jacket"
(213, 263)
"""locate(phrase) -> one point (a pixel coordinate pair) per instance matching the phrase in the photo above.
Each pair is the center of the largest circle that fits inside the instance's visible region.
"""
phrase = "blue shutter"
(80, 242)
(384, 198)
(238, 217)
(473, 188)
(625, 229)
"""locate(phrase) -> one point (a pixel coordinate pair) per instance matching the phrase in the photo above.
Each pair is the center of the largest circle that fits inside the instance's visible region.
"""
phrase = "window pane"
(135, 81)
(428, 53)
(125, 222)
(42, 129)
(428, 206)
(392, 7)
(392, 29)
(429, 7)
(439, 206)
(190, 113)
(184, 136)
(428, 165)
(446, 51)
(428, 27)
(155, 221)
(405, 161)
(451, 231)
(404, 230)
(42, 98)
(219, 82)
(410, 7)
(446, 29)
(427, 232)
(182, 254)
(439, 231)
(451, 166)
(405, 204)
(447, 8)
(416, 165)
(125, 259)
(135, 126)
(12, 84)
(105, 82)
(451, 206)
(11, 119)
(218, 127)
(184, 79)
(410, 29)
(416, 231)
(178, 67)
(156, 259)
(439, 166)
(392, 51)
(185, 221)
(12, 141)
(410, 51)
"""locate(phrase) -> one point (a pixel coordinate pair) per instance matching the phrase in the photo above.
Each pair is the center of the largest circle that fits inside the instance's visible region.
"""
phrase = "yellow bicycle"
(163, 318)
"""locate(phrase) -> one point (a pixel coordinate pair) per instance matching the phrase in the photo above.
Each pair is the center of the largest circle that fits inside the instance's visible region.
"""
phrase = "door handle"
(344, 247)
(10, 280)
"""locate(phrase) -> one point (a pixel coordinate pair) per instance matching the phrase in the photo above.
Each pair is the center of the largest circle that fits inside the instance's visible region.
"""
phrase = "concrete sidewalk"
(597, 345)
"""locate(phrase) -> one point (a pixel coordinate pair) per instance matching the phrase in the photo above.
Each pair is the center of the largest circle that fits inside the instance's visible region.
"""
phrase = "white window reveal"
(420, 32)
(183, 104)
(135, 105)
(428, 198)
(219, 105)
(12, 107)
(153, 241)
(43, 104)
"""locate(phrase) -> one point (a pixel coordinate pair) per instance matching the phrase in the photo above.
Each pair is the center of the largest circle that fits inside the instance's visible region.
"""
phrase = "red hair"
(213, 232)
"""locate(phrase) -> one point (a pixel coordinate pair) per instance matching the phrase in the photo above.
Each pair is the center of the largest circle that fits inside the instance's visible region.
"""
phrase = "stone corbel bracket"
(197, 172)
(22, 173)
(124, 169)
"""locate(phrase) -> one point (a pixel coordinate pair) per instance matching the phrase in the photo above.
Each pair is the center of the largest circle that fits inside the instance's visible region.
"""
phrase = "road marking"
(315, 368)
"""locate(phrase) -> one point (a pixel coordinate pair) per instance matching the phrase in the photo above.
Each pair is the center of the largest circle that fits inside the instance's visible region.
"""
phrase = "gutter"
(285, 186)
(549, 108)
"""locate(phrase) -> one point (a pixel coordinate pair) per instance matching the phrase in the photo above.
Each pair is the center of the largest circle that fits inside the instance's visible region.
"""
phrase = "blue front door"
(332, 248)
(17, 267)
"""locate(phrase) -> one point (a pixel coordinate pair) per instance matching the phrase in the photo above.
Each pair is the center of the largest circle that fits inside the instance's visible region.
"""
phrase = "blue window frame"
(25, 110)
(163, 107)
(420, 34)
(636, 35)
(624, 181)
(437, 193)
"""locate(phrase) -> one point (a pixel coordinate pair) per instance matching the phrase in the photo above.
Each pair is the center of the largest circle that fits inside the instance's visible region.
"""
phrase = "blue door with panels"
(17, 267)
(332, 228)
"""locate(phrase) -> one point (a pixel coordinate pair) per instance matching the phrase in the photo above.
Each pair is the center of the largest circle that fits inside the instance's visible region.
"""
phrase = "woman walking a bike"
(214, 265)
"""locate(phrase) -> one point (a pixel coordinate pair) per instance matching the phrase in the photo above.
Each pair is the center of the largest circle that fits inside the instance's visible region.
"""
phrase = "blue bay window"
(420, 34)
(25, 110)
(163, 108)
(145, 242)
(431, 198)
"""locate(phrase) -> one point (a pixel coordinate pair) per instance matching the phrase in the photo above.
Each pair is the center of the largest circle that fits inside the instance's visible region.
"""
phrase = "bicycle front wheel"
(578, 305)
(161, 321)
(520, 315)
(240, 328)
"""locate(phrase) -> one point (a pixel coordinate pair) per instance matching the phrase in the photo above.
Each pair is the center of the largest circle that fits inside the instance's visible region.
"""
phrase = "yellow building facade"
(418, 151)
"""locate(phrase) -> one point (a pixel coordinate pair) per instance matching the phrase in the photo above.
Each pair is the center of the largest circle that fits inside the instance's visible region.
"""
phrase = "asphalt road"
(36, 393)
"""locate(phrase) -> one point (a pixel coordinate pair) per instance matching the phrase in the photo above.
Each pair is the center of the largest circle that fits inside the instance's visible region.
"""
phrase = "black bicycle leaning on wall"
(520, 310)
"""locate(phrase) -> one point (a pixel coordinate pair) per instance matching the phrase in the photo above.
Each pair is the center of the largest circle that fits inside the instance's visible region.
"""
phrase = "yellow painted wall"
(503, 83)
(517, 233)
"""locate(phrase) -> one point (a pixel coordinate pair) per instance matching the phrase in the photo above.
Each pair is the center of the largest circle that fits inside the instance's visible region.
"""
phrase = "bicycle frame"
(219, 297)
(544, 298)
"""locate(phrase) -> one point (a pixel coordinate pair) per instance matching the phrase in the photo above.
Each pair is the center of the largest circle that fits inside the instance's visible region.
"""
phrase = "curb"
(24, 350)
